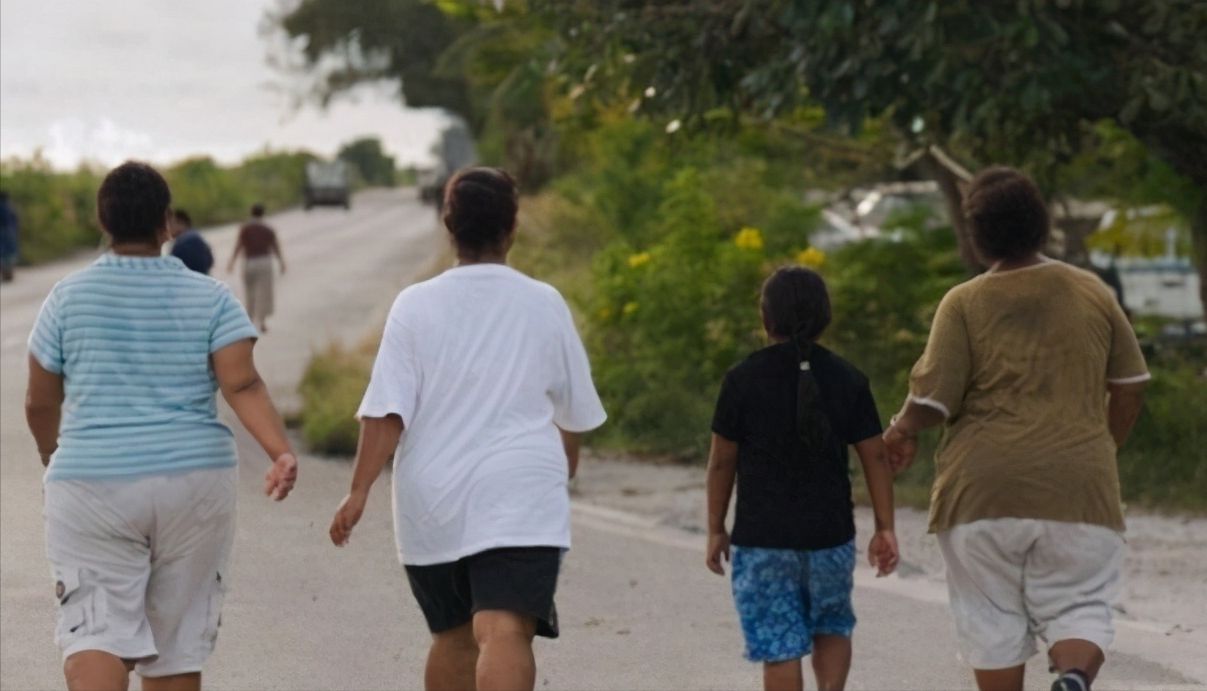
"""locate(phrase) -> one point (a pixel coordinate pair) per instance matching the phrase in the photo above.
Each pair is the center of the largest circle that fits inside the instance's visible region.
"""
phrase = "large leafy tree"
(1016, 82)
(478, 60)
(369, 160)
(331, 46)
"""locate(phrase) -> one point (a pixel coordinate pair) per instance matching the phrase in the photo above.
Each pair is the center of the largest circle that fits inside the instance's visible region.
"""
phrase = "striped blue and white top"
(132, 338)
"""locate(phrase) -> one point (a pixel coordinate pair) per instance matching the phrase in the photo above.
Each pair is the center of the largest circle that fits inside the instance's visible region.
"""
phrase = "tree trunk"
(952, 180)
(1198, 236)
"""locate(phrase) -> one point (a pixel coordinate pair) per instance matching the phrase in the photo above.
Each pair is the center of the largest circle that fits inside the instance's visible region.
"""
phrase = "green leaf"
(1132, 109)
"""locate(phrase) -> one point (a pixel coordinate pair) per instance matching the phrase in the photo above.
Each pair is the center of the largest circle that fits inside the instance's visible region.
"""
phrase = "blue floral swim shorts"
(785, 597)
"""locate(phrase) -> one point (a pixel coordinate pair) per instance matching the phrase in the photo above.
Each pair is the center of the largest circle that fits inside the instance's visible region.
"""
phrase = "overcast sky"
(159, 80)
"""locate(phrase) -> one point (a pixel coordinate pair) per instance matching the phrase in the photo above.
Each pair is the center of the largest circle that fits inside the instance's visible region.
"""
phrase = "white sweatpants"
(1012, 579)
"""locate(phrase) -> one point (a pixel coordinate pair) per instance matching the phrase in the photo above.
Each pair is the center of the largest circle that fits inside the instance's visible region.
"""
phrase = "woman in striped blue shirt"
(126, 360)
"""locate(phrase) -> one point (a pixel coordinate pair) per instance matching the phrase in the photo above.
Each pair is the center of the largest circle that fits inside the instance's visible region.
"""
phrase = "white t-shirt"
(481, 363)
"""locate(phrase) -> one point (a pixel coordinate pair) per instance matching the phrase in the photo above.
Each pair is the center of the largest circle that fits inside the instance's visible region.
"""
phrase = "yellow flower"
(639, 259)
(749, 239)
(811, 257)
(604, 314)
(630, 307)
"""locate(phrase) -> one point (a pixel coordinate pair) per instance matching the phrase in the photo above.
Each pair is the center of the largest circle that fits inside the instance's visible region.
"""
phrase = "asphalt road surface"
(638, 609)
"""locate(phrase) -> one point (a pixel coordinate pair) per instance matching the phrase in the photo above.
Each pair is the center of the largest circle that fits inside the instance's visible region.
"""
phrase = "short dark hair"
(1008, 214)
(183, 217)
(132, 202)
(796, 304)
(257, 210)
(480, 207)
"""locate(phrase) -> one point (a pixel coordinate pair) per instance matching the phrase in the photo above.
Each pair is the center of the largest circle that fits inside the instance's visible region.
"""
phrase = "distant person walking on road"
(783, 421)
(9, 238)
(482, 367)
(1019, 367)
(188, 246)
(258, 244)
(125, 361)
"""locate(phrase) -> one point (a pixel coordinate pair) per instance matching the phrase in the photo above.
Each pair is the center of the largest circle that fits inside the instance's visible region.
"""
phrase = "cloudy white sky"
(159, 80)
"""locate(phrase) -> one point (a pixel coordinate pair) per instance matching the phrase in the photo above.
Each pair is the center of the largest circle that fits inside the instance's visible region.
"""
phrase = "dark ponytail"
(796, 306)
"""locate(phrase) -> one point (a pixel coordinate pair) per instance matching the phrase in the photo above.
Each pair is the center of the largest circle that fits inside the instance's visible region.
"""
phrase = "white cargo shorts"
(1012, 579)
(138, 565)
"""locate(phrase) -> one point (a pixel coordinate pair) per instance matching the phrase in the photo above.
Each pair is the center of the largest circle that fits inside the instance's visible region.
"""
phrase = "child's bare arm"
(882, 552)
(722, 471)
(879, 476)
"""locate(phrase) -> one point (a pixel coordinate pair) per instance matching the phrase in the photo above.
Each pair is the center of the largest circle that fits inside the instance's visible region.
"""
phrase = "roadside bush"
(57, 211)
(331, 391)
(1164, 462)
(273, 178)
(884, 294)
(668, 318)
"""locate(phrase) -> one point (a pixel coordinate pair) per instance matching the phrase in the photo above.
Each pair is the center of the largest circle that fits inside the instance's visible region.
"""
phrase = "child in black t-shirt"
(782, 425)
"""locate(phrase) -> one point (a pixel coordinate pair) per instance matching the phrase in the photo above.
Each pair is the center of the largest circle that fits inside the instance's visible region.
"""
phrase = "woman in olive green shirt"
(1035, 373)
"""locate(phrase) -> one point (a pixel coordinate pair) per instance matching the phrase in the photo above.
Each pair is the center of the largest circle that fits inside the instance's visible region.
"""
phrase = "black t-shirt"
(790, 497)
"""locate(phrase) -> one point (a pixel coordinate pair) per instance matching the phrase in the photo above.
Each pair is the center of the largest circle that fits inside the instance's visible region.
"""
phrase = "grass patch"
(331, 391)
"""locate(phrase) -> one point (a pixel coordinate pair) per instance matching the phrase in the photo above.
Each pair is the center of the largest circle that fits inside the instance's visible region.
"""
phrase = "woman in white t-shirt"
(484, 371)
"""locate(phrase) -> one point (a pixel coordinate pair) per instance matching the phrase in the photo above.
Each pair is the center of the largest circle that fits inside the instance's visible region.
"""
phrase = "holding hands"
(902, 446)
(883, 553)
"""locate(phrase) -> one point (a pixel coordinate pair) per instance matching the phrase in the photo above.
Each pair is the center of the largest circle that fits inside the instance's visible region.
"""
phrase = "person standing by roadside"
(188, 246)
(258, 244)
(484, 370)
(10, 247)
(125, 362)
(1035, 374)
(784, 420)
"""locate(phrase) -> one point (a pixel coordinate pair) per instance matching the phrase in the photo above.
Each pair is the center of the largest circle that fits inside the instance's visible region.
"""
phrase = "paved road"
(638, 609)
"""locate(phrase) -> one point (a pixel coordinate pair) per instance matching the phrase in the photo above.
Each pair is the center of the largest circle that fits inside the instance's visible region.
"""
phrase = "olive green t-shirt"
(1019, 362)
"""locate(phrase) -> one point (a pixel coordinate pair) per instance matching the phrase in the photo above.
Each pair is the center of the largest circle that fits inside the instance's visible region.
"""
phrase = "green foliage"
(1018, 76)
(207, 191)
(343, 44)
(668, 321)
(1164, 462)
(1010, 82)
(883, 295)
(213, 194)
(331, 389)
(483, 63)
(57, 211)
(672, 270)
(371, 164)
(273, 178)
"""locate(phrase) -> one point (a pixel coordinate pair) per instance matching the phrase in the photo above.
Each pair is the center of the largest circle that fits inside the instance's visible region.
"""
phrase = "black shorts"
(513, 579)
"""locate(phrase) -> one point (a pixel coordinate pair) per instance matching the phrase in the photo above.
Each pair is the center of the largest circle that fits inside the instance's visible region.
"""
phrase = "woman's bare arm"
(44, 408)
(379, 438)
(248, 396)
(1127, 400)
(572, 443)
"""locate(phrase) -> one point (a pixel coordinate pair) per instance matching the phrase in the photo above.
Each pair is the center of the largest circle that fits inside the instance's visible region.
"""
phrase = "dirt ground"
(1165, 567)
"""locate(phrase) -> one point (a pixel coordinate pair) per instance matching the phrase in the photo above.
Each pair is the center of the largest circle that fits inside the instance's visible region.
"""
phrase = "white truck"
(327, 184)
